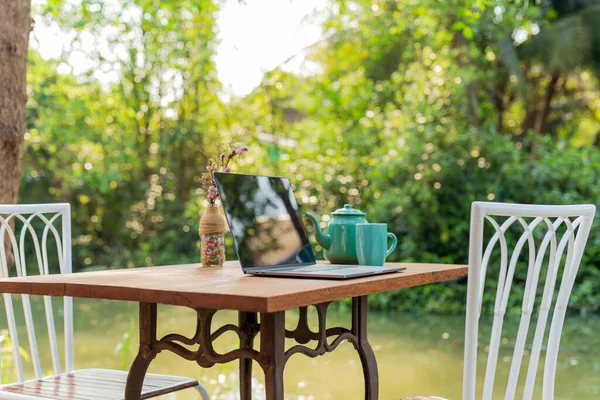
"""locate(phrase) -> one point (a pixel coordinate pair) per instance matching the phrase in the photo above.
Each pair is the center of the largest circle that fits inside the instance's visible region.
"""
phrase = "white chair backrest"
(18, 234)
(563, 229)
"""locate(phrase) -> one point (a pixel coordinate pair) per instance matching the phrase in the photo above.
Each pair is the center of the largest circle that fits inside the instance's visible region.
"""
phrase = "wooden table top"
(223, 288)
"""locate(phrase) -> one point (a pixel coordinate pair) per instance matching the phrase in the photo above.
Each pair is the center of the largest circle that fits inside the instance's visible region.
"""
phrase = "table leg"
(246, 320)
(272, 356)
(137, 372)
(367, 356)
(272, 349)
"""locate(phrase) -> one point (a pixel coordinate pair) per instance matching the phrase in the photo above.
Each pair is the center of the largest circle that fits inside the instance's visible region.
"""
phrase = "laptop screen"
(264, 220)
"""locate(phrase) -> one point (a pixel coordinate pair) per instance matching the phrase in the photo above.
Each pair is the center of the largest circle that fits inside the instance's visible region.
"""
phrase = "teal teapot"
(340, 240)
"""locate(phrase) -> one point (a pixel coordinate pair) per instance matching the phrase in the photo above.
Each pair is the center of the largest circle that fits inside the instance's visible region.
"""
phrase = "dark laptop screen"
(264, 220)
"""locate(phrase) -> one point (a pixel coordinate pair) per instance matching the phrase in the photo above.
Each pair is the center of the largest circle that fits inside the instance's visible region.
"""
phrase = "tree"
(15, 25)
(126, 153)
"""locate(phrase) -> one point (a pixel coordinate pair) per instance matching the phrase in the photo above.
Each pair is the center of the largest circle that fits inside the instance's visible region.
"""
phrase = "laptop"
(268, 231)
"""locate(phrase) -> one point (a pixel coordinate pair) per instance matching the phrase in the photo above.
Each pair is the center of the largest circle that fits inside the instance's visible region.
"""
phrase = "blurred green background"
(411, 111)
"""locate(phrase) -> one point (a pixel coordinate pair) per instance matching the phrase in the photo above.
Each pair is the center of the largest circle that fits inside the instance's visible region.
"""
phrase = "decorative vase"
(212, 237)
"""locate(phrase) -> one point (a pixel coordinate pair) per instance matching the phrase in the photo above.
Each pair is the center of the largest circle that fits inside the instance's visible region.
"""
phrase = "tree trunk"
(463, 59)
(15, 25)
(542, 116)
(540, 123)
(498, 99)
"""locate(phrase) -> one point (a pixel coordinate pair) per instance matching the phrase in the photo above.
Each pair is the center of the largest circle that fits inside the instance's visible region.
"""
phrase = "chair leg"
(203, 393)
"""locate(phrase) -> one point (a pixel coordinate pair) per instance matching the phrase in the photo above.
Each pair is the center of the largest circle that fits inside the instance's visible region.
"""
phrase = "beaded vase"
(212, 237)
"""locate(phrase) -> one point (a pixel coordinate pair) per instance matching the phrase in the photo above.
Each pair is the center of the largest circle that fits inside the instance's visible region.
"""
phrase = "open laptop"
(268, 232)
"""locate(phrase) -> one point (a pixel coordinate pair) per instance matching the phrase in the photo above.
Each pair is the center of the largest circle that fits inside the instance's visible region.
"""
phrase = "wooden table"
(208, 290)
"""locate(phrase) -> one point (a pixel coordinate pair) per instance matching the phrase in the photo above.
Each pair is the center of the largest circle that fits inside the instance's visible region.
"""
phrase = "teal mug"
(371, 243)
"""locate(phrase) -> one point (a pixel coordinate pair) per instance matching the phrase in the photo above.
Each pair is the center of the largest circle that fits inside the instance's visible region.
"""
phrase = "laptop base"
(323, 271)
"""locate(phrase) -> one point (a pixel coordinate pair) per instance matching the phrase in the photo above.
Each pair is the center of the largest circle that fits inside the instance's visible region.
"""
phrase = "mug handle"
(394, 243)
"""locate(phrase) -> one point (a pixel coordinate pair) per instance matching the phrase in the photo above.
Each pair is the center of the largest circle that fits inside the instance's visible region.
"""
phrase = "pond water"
(416, 354)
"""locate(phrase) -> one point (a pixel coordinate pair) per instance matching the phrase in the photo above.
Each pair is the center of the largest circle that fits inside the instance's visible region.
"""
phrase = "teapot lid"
(348, 210)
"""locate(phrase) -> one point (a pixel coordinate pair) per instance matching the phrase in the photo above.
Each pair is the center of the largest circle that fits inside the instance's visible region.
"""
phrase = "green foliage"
(126, 156)
(124, 348)
(418, 109)
(7, 360)
(434, 223)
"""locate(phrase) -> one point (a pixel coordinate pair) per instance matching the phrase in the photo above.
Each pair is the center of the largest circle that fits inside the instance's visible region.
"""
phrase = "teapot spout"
(322, 238)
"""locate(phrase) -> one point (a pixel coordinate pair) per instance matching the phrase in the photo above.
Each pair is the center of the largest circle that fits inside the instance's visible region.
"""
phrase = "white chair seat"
(424, 398)
(94, 384)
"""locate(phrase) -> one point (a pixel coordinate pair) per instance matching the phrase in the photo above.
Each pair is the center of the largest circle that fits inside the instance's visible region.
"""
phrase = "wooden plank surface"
(223, 288)
(97, 384)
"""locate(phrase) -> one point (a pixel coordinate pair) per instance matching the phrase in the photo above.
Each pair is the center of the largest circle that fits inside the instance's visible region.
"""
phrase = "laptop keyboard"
(321, 267)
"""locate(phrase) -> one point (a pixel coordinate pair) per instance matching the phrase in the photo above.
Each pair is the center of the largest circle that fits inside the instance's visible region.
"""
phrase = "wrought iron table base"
(272, 356)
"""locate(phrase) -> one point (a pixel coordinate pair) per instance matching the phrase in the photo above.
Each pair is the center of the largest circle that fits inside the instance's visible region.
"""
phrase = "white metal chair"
(563, 228)
(17, 226)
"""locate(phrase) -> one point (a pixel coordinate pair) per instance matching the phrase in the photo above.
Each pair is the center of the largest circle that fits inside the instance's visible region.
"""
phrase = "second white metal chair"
(17, 226)
(561, 242)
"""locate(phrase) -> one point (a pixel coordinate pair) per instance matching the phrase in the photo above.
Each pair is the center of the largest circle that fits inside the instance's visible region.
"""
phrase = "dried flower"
(213, 193)
(219, 162)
